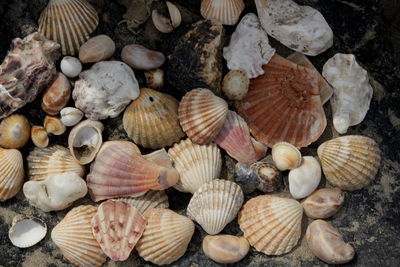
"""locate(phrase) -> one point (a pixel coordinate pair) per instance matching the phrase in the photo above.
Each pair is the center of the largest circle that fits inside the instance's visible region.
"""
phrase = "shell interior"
(27, 231)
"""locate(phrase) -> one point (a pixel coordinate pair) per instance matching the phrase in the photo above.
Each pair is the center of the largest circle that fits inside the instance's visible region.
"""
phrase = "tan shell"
(54, 125)
(57, 95)
(154, 78)
(215, 204)
(323, 203)
(150, 200)
(235, 85)
(225, 248)
(350, 162)
(14, 131)
(225, 11)
(286, 156)
(11, 173)
(98, 48)
(166, 236)
(39, 136)
(271, 224)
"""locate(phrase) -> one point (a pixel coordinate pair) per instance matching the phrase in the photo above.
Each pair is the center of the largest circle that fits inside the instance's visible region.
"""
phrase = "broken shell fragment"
(154, 78)
(26, 231)
(174, 14)
(11, 173)
(235, 85)
(14, 131)
(225, 11)
(57, 95)
(162, 23)
(71, 66)
(225, 248)
(286, 156)
(323, 203)
(246, 177)
(54, 125)
(304, 179)
(268, 176)
(39, 136)
(70, 116)
(150, 200)
(98, 48)
(142, 58)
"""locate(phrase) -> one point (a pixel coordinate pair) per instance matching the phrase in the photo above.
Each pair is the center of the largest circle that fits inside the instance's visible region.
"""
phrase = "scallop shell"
(202, 115)
(350, 162)
(14, 131)
(215, 204)
(151, 120)
(73, 235)
(117, 226)
(69, 23)
(166, 237)
(11, 173)
(271, 224)
(284, 104)
(196, 164)
(26, 231)
(150, 200)
(225, 11)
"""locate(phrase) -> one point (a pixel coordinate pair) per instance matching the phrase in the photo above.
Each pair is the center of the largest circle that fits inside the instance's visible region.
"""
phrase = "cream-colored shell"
(286, 156)
(305, 179)
(225, 11)
(151, 200)
(11, 173)
(26, 231)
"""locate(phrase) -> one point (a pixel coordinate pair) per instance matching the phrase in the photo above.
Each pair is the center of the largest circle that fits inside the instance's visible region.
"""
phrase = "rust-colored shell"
(56, 97)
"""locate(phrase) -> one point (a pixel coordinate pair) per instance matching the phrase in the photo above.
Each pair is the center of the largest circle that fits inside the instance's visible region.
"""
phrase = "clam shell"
(196, 164)
(151, 120)
(73, 235)
(39, 136)
(215, 204)
(54, 125)
(225, 11)
(202, 115)
(11, 173)
(286, 156)
(69, 23)
(350, 162)
(166, 237)
(26, 231)
(150, 200)
(14, 131)
(271, 224)
(57, 95)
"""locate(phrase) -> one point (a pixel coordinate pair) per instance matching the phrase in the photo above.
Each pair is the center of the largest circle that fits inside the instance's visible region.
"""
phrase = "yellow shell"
(54, 125)
(150, 200)
(225, 11)
(11, 173)
(14, 131)
(39, 136)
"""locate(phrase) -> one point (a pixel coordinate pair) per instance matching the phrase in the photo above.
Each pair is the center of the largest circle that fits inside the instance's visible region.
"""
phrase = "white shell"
(71, 116)
(305, 179)
(352, 91)
(26, 231)
(71, 66)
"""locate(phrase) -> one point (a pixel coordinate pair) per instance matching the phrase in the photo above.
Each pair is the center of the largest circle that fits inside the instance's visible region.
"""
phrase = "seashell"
(26, 231)
(202, 115)
(98, 48)
(284, 104)
(56, 159)
(117, 226)
(142, 58)
(225, 11)
(350, 162)
(286, 156)
(150, 200)
(159, 157)
(305, 179)
(174, 14)
(327, 243)
(166, 237)
(56, 97)
(71, 66)
(323, 203)
(120, 171)
(56, 192)
(69, 23)
(154, 78)
(54, 125)
(74, 237)
(84, 141)
(235, 85)
(215, 204)
(39, 136)
(196, 164)
(249, 47)
(161, 23)
(352, 91)
(268, 176)
(27, 70)
(246, 177)
(14, 131)
(151, 120)
(225, 248)
(271, 224)
(70, 116)
(301, 28)
(260, 148)
(105, 90)
(11, 173)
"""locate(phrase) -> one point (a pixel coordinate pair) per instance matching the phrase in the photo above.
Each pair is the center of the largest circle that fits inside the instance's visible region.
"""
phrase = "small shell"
(323, 203)
(246, 177)
(154, 78)
(286, 156)
(150, 200)
(14, 131)
(268, 176)
(235, 84)
(350, 162)
(162, 23)
(71, 67)
(166, 237)
(260, 148)
(215, 204)
(26, 231)
(271, 224)
(305, 179)
(56, 95)
(225, 248)
(142, 58)
(71, 116)
(225, 11)
(54, 125)
(202, 115)
(73, 235)
(98, 48)
(174, 14)
(39, 136)
(11, 173)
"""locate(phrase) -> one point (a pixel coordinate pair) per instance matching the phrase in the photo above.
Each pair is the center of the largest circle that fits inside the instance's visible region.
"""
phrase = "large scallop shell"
(284, 104)
(152, 120)
(350, 162)
(202, 115)
(73, 235)
(69, 23)
(215, 205)
(11, 173)
(225, 11)
(196, 164)
(166, 236)
(150, 200)
(271, 224)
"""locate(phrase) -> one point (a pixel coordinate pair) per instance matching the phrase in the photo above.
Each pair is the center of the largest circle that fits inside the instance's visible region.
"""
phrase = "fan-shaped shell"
(152, 120)
(11, 173)
(271, 224)
(225, 11)
(350, 162)
(284, 104)
(150, 200)
(202, 115)
(215, 205)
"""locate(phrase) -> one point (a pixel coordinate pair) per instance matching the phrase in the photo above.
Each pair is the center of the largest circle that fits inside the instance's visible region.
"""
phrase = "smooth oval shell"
(26, 231)
(235, 85)
(142, 58)
(225, 248)
(286, 156)
(39, 136)
(70, 116)
(323, 203)
(14, 131)
(225, 11)
(150, 200)
(11, 173)
(305, 179)
(268, 176)
(71, 66)
(54, 125)
(56, 97)
(98, 48)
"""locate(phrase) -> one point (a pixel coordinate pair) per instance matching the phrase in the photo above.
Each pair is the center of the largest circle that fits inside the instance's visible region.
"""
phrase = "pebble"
(142, 58)
(323, 203)
(96, 49)
(71, 66)
(225, 248)
(305, 179)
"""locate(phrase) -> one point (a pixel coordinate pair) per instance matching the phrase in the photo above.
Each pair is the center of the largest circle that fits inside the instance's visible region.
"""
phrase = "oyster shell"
(14, 131)
(225, 11)
(150, 200)
(305, 179)
(11, 173)
(26, 231)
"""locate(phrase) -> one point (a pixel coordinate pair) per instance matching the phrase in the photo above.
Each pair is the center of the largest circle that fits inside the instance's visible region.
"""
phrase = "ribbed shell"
(202, 115)
(11, 173)
(215, 205)
(69, 23)
(271, 224)
(150, 200)
(166, 236)
(196, 164)
(73, 235)
(225, 11)
(284, 104)
(350, 162)
(152, 120)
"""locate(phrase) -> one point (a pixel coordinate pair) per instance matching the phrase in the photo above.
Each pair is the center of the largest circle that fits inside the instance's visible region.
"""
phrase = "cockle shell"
(150, 200)
(202, 115)
(74, 237)
(271, 224)
(53, 125)
(268, 176)
(70, 116)
(284, 104)
(350, 162)
(56, 97)
(142, 58)
(166, 237)
(225, 248)
(286, 156)
(98, 48)
(225, 11)
(26, 231)
(323, 203)
(11, 173)
(117, 226)
(39, 136)
(215, 204)
(235, 85)
(151, 120)
(196, 164)
(305, 179)
(69, 23)
(14, 131)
